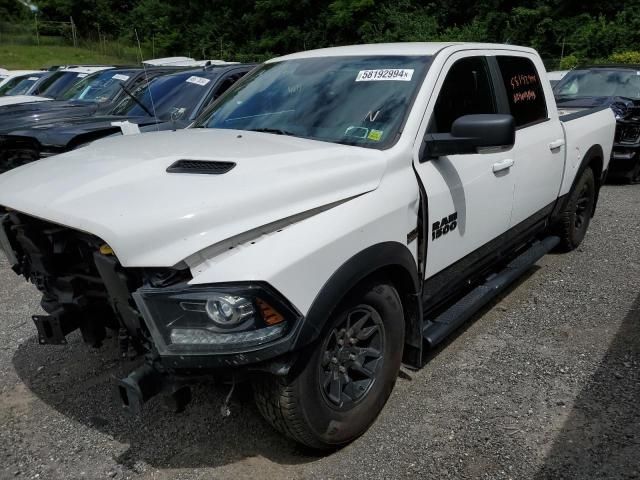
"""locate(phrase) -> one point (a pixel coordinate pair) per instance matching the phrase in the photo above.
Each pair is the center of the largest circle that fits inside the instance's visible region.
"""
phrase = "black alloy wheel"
(352, 358)
(345, 378)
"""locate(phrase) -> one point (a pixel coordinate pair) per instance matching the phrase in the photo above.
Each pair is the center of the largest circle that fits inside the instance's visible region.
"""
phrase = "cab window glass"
(524, 90)
(467, 90)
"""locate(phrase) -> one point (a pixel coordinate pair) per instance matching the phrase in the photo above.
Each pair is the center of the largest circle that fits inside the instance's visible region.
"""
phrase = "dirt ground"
(543, 384)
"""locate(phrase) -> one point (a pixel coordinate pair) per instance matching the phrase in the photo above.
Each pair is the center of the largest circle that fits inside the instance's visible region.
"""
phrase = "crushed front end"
(183, 331)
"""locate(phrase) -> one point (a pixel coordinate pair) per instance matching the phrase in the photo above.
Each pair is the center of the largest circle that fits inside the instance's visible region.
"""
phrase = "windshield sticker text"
(198, 80)
(122, 78)
(82, 75)
(32, 79)
(397, 74)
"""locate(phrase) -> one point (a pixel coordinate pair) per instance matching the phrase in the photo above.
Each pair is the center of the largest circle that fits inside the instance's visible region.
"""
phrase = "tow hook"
(146, 382)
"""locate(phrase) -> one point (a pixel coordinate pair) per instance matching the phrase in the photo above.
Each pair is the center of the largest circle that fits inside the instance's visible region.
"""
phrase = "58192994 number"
(397, 74)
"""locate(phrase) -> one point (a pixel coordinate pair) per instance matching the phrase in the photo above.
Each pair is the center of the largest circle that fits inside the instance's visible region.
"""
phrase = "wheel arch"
(387, 261)
(594, 158)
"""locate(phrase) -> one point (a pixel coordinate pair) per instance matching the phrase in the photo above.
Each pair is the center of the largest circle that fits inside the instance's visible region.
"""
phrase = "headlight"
(630, 134)
(198, 320)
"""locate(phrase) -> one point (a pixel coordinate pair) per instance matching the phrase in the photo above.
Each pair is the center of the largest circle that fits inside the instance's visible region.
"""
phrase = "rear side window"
(467, 90)
(524, 90)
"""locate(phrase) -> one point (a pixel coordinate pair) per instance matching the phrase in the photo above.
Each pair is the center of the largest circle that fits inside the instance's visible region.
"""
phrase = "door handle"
(556, 144)
(502, 165)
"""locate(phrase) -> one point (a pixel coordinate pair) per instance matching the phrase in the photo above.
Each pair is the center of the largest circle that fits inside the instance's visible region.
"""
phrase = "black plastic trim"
(499, 90)
(454, 280)
(352, 272)
(441, 326)
(582, 113)
(201, 167)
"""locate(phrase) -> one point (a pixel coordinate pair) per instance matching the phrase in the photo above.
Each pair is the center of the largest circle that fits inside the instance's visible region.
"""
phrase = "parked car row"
(155, 97)
(616, 87)
(334, 214)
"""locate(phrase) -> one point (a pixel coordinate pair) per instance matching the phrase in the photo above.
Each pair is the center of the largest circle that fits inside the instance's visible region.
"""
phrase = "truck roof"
(405, 48)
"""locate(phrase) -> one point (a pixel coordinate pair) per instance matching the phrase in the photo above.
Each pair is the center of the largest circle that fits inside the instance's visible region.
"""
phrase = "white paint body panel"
(171, 61)
(87, 69)
(120, 191)
(557, 75)
(14, 99)
(8, 75)
(538, 169)
(580, 134)
(294, 210)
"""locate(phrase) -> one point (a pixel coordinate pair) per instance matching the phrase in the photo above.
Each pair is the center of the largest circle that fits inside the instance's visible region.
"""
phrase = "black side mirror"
(470, 132)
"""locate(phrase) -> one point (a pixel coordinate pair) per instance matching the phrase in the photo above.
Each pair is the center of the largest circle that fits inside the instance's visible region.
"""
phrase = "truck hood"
(118, 188)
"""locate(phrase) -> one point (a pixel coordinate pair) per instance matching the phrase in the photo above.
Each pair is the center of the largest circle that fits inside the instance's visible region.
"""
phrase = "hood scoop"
(203, 167)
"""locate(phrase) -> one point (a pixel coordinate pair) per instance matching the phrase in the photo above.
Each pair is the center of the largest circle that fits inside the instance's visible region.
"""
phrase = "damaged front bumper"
(184, 331)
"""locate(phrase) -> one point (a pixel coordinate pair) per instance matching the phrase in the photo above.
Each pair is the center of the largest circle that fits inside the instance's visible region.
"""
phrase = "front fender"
(391, 259)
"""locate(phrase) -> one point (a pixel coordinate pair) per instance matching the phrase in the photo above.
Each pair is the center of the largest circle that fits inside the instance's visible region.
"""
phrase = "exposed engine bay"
(82, 283)
(628, 117)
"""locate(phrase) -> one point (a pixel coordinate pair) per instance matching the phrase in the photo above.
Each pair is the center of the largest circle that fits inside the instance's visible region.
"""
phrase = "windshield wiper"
(275, 131)
(133, 97)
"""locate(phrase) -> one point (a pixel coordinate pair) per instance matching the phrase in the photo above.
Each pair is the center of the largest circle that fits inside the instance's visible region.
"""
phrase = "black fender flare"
(387, 255)
(595, 152)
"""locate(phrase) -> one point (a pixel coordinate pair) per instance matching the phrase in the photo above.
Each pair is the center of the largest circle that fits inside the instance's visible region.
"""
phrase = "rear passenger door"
(539, 149)
(469, 196)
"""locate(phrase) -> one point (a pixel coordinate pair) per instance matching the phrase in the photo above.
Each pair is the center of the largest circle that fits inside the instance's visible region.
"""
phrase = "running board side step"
(436, 330)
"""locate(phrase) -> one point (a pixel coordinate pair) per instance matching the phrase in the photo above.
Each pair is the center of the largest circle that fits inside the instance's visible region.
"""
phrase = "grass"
(15, 57)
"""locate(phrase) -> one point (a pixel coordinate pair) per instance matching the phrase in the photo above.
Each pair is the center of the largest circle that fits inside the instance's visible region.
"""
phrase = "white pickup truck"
(336, 213)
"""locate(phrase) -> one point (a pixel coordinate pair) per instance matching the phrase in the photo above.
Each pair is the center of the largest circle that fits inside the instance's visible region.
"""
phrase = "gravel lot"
(545, 384)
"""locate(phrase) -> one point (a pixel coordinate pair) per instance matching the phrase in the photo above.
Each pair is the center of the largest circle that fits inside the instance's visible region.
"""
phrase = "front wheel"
(348, 377)
(576, 216)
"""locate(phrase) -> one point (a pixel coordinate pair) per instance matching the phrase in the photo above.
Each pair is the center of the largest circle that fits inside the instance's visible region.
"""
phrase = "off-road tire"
(297, 405)
(574, 220)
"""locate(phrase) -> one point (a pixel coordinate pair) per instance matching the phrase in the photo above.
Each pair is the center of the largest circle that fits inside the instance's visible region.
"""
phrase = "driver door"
(469, 196)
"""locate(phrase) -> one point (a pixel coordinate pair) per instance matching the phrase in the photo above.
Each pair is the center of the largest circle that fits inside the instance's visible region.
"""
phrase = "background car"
(52, 84)
(556, 75)
(171, 101)
(19, 84)
(615, 86)
(80, 96)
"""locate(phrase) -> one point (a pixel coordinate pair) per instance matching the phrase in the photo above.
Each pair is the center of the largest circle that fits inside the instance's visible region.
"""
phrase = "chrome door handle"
(556, 144)
(502, 165)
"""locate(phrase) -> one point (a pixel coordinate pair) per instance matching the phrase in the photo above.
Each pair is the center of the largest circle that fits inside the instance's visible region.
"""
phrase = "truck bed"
(590, 127)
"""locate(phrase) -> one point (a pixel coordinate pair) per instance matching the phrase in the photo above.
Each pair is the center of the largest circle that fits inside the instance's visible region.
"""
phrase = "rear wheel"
(576, 216)
(348, 377)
